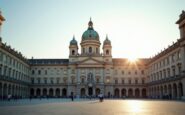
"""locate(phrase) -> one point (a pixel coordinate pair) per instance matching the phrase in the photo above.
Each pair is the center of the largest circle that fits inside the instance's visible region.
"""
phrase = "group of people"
(100, 96)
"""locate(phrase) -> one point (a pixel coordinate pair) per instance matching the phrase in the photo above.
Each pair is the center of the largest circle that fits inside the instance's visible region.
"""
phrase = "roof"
(181, 17)
(125, 61)
(48, 61)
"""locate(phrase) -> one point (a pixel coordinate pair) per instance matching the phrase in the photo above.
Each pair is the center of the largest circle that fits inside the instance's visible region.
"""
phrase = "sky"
(136, 28)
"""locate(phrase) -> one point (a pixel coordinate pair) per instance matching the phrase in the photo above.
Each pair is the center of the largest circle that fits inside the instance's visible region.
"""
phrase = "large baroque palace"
(91, 72)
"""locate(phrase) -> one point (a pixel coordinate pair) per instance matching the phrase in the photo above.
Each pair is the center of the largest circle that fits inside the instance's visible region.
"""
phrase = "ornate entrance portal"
(90, 91)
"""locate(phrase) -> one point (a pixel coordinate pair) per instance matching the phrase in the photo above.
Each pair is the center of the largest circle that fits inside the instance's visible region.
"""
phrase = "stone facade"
(91, 72)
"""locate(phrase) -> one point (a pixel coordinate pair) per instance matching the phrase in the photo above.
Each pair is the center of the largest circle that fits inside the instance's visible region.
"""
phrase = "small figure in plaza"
(9, 97)
(72, 98)
(100, 97)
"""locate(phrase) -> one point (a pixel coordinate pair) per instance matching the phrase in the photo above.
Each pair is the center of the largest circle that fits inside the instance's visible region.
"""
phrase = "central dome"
(90, 33)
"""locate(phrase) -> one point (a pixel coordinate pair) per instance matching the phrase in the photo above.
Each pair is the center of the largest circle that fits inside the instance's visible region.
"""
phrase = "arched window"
(90, 49)
(107, 52)
(73, 52)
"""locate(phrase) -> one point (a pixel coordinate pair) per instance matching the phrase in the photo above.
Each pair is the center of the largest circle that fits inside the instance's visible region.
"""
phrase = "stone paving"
(92, 107)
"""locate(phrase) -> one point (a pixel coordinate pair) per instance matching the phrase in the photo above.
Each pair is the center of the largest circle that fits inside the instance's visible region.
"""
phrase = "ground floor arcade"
(13, 89)
(171, 90)
(85, 91)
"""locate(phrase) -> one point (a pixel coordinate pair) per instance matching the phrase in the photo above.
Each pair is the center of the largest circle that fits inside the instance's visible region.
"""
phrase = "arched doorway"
(174, 91)
(32, 92)
(97, 91)
(130, 93)
(137, 93)
(116, 93)
(13, 90)
(123, 93)
(161, 91)
(180, 88)
(5, 91)
(17, 91)
(170, 91)
(57, 92)
(82, 92)
(165, 90)
(64, 92)
(51, 92)
(44, 92)
(90, 91)
(38, 92)
(109, 95)
(1, 89)
(9, 89)
(144, 93)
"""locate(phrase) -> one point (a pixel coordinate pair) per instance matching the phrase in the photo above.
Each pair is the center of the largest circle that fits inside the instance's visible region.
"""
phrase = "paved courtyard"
(92, 107)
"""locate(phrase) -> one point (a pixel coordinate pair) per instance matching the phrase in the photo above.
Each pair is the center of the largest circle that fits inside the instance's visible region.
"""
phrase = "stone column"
(47, 91)
(54, 92)
(2, 91)
(60, 91)
(94, 90)
(41, 91)
(140, 92)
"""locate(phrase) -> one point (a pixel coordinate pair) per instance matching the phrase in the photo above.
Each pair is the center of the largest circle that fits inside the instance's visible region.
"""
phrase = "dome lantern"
(73, 41)
(90, 33)
(107, 41)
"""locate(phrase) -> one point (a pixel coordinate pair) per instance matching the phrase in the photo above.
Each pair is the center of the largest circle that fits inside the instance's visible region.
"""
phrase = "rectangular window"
(82, 80)
(135, 72)
(123, 81)
(168, 62)
(136, 81)
(173, 69)
(178, 55)
(58, 80)
(38, 80)
(142, 72)
(32, 80)
(129, 81)
(173, 58)
(46, 72)
(97, 80)
(179, 68)
(51, 80)
(122, 72)
(45, 80)
(116, 81)
(168, 72)
(143, 81)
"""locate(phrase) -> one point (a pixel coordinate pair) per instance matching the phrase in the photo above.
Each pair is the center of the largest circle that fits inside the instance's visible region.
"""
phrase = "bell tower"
(181, 23)
(107, 50)
(73, 47)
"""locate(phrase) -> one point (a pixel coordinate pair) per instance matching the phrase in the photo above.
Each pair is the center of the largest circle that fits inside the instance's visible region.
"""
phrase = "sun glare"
(132, 59)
